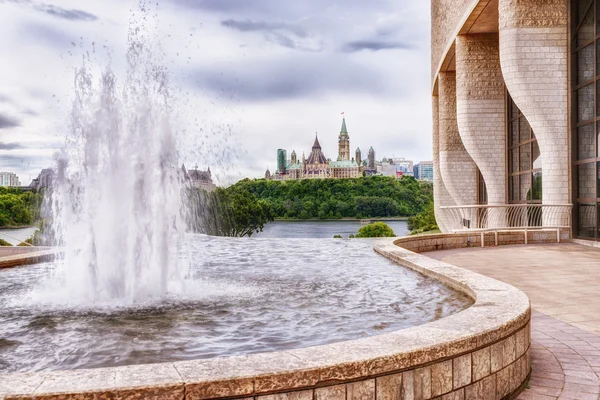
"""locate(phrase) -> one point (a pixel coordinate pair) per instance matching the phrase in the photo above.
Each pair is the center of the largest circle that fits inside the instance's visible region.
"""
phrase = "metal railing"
(509, 216)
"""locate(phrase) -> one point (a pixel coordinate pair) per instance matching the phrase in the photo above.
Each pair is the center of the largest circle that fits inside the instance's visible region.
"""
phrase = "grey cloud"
(374, 45)
(283, 34)
(248, 26)
(55, 11)
(47, 34)
(279, 7)
(72, 15)
(29, 145)
(7, 122)
(290, 79)
(11, 146)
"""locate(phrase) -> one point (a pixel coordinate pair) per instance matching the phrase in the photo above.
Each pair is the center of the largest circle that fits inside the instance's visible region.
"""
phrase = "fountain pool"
(243, 296)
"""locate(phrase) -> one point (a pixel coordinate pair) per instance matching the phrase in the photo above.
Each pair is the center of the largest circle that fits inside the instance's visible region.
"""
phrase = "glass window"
(585, 81)
(586, 176)
(525, 157)
(586, 31)
(585, 64)
(586, 147)
(586, 220)
(525, 162)
(536, 187)
(514, 160)
(585, 103)
(536, 156)
(525, 187)
(524, 130)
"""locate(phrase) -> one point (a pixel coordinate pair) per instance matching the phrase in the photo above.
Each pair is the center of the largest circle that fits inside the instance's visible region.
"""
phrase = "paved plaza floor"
(563, 283)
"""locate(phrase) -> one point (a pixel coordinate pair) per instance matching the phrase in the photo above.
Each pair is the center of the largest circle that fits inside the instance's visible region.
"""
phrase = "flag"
(342, 113)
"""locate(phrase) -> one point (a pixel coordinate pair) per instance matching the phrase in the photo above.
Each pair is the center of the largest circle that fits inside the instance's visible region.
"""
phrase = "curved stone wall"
(482, 352)
(481, 109)
(533, 56)
(441, 197)
(447, 17)
(458, 170)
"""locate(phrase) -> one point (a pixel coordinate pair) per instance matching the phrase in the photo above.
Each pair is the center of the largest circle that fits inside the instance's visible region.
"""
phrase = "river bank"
(375, 219)
(321, 229)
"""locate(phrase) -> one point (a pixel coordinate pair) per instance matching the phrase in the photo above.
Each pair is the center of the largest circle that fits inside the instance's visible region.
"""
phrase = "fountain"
(116, 205)
(133, 287)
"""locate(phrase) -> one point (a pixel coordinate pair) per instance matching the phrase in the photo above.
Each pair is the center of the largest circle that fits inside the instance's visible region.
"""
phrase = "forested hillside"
(370, 197)
(18, 208)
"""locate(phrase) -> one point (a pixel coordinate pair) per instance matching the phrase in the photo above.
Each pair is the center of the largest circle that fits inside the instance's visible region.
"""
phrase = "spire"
(316, 144)
(344, 130)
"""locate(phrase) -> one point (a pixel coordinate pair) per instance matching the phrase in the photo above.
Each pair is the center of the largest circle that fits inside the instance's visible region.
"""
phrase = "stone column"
(459, 172)
(480, 107)
(441, 197)
(533, 56)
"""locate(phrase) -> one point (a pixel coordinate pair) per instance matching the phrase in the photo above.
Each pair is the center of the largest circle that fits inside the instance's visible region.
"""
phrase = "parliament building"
(317, 166)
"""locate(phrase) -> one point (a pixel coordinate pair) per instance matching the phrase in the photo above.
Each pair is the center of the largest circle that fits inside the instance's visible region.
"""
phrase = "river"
(321, 229)
(16, 236)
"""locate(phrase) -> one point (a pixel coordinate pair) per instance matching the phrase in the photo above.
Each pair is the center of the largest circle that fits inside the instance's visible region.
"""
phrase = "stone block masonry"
(481, 109)
(533, 57)
(441, 197)
(458, 170)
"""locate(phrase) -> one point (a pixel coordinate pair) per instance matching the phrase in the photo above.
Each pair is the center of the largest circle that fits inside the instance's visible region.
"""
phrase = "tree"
(227, 212)
(376, 229)
(424, 221)
(367, 197)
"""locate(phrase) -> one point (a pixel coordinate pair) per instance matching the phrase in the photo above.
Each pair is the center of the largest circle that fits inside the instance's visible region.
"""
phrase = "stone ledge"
(11, 257)
(484, 349)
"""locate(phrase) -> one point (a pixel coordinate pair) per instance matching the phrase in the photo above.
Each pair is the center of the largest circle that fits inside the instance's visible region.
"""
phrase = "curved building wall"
(481, 109)
(446, 18)
(441, 197)
(533, 57)
(458, 171)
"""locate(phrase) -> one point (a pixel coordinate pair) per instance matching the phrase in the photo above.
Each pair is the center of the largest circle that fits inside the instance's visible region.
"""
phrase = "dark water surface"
(322, 229)
(246, 296)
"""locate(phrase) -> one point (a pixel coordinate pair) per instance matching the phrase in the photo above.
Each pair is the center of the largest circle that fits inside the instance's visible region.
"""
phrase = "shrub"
(424, 221)
(338, 237)
(376, 229)
(4, 243)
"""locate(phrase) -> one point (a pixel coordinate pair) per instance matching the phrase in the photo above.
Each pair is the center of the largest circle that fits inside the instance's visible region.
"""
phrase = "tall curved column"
(480, 108)
(441, 197)
(459, 172)
(533, 57)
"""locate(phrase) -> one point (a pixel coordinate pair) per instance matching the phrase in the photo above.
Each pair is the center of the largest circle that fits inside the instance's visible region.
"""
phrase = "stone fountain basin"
(484, 349)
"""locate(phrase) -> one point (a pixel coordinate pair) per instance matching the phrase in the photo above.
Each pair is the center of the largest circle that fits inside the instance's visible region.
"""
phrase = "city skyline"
(272, 69)
(292, 154)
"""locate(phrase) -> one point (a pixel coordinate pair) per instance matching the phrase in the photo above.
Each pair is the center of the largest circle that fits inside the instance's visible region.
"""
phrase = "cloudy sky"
(257, 75)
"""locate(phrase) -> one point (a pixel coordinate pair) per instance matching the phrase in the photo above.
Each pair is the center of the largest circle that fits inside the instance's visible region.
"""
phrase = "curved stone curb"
(27, 255)
(484, 349)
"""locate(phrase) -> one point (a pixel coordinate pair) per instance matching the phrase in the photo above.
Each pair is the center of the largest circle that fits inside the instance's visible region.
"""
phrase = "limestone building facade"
(516, 113)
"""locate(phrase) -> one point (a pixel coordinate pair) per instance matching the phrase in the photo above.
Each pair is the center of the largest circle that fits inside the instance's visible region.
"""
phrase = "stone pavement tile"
(581, 388)
(565, 348)
(577, 396)
(549, 383)
(530, 395)
(546, 391)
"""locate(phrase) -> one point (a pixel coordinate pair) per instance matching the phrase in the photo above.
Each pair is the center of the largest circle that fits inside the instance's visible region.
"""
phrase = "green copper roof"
(344, 130)
(343, 164)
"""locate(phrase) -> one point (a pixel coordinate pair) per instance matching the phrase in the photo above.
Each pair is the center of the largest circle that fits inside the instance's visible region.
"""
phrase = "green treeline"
(369, 197)
(19, 208)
